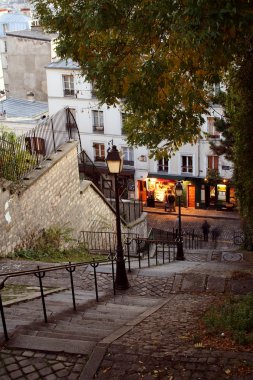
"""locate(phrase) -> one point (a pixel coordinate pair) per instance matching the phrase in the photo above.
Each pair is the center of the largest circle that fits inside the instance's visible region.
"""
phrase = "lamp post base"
(121, 281)
(180, 251)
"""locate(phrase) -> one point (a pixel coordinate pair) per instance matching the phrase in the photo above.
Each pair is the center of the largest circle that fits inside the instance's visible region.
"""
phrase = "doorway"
(191, 196)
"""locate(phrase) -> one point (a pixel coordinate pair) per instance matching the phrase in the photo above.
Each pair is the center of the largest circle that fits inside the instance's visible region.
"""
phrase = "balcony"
(128, 162)
(186, 169)
(98, 128)
(215, 136)
(212, 174)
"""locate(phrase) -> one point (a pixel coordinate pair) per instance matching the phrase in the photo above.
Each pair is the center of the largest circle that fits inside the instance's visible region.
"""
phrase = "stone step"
(49, 344)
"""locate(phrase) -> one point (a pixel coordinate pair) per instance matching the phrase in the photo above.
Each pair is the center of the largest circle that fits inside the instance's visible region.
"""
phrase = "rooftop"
(33, 34)
(22, 108)
(64, 64)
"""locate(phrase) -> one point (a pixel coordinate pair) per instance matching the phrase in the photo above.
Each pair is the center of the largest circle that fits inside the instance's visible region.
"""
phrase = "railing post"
(3, 319)
(94, 266)
(52, 127)
(128, 242)
(71, 269)
(139, 252)
(40, 275)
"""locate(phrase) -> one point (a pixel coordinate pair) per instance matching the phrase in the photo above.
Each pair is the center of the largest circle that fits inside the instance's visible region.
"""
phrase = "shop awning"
(173, 177)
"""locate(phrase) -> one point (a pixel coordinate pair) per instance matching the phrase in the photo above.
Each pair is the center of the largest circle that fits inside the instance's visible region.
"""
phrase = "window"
(128, 155)
(99, 152)
(186, 164)
(98, 120)
(93, 90)
(212, 133)
(163, 165)
(35, 145)
(213, 162)
(5, 28)
(68, 85)
(123, 119)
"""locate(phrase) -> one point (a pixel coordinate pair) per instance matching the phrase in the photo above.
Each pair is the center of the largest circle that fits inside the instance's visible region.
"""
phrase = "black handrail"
(40, 274)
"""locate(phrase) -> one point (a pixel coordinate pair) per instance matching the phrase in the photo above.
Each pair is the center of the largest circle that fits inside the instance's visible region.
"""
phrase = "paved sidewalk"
(141, 333)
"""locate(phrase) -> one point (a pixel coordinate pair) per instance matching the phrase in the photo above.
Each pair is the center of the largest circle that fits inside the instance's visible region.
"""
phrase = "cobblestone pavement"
(32, 365)
(159, 346)
(162, 347)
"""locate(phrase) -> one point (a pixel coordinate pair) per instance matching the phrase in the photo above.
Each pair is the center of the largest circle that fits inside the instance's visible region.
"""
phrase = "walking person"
(205, 228)
(171, 201)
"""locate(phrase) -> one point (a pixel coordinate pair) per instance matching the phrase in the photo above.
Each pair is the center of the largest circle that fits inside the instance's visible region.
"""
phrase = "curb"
(97, 355)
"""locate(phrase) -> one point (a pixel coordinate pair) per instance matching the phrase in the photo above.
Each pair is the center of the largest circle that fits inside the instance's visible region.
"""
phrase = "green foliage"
(52, 245)
(163, 58)
(235, 317)
(15, 161)
(159, 56)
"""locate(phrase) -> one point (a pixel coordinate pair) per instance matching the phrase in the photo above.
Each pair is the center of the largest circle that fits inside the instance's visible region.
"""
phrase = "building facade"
(206, 177)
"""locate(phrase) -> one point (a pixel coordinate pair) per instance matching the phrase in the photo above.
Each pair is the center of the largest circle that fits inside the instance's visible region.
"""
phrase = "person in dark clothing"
(171, 201)
(205, 229)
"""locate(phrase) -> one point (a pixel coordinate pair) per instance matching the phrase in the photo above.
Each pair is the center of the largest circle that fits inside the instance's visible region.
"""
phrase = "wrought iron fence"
(21, 154)
(106, 242)
(40, 274)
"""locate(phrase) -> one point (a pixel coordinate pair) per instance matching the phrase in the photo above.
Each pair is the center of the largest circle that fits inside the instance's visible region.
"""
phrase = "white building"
(206, 177)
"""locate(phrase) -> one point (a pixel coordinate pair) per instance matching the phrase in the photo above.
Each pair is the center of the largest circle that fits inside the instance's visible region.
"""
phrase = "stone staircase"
(69, 331)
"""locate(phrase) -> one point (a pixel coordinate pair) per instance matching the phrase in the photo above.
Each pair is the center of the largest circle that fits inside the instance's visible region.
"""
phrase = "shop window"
(99, 152)
(221, 190)
(163, 165)
(186, 164)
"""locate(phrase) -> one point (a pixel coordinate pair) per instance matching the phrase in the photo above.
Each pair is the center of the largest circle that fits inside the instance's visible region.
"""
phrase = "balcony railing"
(98, 128)
(186, 169)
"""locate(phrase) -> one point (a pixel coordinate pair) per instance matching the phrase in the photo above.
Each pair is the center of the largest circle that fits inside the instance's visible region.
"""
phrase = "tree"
(161, 57)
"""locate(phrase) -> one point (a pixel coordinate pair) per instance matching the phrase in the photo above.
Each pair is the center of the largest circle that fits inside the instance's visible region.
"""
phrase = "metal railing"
(130, 210)
(21, 154)
(40, 274)
(191, 239)
(106, 242)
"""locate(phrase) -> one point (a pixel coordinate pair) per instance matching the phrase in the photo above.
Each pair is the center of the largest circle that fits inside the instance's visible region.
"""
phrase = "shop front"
(218, 195)
(154, 190)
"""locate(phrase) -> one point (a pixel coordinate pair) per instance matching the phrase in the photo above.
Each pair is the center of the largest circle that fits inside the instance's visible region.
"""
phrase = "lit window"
(68, 85)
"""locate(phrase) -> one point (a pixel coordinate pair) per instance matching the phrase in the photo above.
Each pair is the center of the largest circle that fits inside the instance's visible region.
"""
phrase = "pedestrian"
(171, 201)
(205, 228)
(215, 234)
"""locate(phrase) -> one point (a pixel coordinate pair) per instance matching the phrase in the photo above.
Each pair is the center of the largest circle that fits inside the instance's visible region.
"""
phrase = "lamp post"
(114, 161)
(180, 249)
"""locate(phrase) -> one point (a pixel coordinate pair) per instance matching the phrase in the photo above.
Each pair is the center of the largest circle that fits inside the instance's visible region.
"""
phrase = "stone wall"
(54, 196)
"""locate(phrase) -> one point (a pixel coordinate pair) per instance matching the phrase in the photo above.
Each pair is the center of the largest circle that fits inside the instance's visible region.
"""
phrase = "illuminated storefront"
(197, 193)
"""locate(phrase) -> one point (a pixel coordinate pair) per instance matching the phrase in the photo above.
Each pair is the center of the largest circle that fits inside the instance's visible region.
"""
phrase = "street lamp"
(114, 161)
(180, 249)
